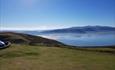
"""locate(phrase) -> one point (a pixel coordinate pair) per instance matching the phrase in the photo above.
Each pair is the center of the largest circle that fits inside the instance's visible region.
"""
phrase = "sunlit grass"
(24, 57)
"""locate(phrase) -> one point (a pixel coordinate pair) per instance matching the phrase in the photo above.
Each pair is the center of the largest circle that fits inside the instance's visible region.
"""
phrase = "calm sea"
(83, 39)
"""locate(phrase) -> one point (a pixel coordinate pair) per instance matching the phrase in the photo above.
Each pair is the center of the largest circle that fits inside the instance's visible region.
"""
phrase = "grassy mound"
(25, 57)
(19, 38)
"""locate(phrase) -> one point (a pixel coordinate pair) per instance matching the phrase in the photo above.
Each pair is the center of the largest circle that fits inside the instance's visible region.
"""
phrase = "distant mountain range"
(80, 30)
(85, 29)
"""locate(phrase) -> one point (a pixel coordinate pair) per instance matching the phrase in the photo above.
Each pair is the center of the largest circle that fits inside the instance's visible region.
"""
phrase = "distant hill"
(85, 29)
(81, 30)
(20, 38)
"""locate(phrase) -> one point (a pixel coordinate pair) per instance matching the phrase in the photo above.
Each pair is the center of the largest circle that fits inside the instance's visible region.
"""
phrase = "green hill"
(19, 38)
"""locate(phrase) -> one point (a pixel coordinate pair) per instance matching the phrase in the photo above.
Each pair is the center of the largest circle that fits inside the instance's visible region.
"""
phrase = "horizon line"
(32, 29)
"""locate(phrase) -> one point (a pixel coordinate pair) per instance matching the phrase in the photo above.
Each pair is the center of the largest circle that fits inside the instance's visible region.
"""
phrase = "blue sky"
(53, 14)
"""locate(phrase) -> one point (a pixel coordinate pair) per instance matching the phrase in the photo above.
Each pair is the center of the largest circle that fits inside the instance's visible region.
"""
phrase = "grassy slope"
(20, 38)
(22, 57)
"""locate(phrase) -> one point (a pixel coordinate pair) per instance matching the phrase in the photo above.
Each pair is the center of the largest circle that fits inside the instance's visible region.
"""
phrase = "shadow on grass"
(110, 49)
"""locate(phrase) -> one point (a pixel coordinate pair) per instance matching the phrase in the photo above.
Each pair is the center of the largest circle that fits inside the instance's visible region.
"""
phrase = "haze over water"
(83, 39)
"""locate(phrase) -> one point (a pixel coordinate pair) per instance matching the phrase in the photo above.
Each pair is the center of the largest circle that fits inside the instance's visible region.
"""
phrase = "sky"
(54, 14)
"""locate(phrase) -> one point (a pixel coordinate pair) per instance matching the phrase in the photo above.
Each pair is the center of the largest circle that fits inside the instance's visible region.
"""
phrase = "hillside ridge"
(21, 38)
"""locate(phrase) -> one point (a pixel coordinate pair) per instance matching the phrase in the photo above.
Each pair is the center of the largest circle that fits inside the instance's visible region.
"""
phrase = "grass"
(24, 57)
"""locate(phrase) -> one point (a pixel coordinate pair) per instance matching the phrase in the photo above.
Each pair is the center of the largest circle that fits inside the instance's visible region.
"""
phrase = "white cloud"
(42, 27)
